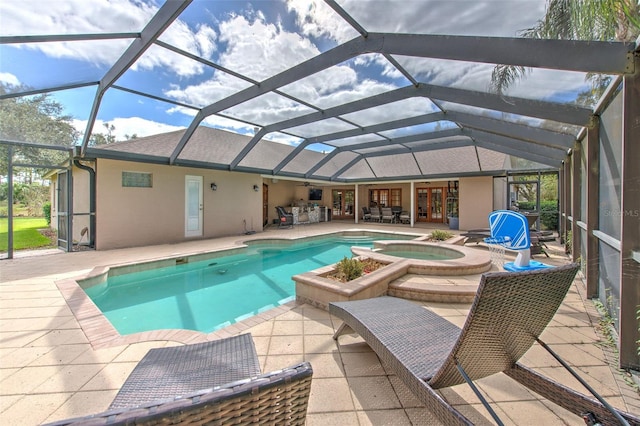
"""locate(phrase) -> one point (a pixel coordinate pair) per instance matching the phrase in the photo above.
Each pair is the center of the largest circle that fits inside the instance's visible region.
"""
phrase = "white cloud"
(245, 129)
(254, 48)
(101, 16)
(76, 17)
(259, 49)
(316, 19)
(227, 123)
(128, 126)
(545, 83)
(267, 109)
(208, 91)
(363, 89)
(452, 17)
(10, 79)
(537, 84)
(284, 139)
(405, 108)
(200, 41)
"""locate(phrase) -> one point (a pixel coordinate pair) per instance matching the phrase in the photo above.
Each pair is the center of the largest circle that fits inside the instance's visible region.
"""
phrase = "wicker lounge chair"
(510, 311)
(217, 382)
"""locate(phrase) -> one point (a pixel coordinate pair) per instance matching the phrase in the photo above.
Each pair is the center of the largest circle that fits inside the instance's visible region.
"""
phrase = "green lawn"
(25, 233)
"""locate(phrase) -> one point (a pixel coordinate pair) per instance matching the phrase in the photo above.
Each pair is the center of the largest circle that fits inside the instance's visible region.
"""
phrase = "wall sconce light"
(214, 187)
(256, 188)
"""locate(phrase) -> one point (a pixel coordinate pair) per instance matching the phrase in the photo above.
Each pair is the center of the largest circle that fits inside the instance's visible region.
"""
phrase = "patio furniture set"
(381, 214)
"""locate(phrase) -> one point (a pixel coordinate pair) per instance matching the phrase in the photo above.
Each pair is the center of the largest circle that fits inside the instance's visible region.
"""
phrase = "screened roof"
(346, 91)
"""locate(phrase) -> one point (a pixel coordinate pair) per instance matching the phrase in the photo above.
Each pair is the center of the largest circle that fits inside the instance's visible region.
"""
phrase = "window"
(396, 197)
(137, 180)
(385, 197)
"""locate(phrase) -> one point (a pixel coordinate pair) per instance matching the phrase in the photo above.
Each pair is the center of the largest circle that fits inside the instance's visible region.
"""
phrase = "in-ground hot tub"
(402, 259)
(429, 258)
(421, 252)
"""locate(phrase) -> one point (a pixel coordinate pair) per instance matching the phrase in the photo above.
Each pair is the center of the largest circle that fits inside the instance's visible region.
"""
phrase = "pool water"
(208, 295)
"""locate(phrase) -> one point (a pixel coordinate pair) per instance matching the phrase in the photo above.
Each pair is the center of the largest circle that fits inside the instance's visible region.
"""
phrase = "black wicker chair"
(427, 352)
(284, 219)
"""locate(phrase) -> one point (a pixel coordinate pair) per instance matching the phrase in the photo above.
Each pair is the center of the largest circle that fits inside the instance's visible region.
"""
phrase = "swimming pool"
(214, 293)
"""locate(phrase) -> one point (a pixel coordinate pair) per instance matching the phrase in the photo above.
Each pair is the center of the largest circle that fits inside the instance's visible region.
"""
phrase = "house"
(140, 199)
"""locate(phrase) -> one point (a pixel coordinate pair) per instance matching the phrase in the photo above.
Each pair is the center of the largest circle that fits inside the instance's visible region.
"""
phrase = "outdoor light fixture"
(214, 187)
(256, 188)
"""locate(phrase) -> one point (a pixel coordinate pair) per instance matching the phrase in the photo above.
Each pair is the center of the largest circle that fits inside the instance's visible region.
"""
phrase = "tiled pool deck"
(49, 369)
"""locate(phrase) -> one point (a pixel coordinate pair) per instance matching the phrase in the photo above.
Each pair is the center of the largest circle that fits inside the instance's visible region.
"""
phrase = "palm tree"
(601, 20)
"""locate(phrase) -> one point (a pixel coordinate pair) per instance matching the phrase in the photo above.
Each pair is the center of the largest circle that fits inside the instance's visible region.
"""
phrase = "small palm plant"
(439, 235)
(349, 269)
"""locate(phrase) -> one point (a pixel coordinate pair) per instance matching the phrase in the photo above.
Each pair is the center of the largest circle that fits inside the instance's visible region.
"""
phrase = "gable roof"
(215, 148)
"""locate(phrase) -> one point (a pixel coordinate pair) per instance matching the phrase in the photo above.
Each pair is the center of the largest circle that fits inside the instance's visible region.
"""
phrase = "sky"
(256, 39)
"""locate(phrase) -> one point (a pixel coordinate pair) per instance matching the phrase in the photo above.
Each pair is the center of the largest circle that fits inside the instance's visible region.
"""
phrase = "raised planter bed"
(317, 288)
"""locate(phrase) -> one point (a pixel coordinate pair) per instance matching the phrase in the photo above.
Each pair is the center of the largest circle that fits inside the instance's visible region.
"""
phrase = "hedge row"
(548, 212)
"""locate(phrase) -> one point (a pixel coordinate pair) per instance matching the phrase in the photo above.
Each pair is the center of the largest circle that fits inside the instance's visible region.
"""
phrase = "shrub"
(46, 210)
(349, 269)
(549, 214)
(527, 205)
(439, 235)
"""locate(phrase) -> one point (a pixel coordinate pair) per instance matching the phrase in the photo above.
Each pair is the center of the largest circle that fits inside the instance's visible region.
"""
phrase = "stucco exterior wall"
(500, 193)
(476, 201)
(129, 217)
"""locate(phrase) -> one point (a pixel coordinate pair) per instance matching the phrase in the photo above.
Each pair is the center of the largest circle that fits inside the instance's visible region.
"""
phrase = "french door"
(343, 203)
(429, 204)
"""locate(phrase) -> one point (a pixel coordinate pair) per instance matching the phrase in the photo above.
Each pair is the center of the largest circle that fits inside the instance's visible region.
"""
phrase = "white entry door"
(193, 206)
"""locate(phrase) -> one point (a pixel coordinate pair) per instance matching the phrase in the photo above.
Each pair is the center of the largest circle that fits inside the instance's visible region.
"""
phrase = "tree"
(98, 139)
(602, 20)
(37, 119)
(549, 187)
